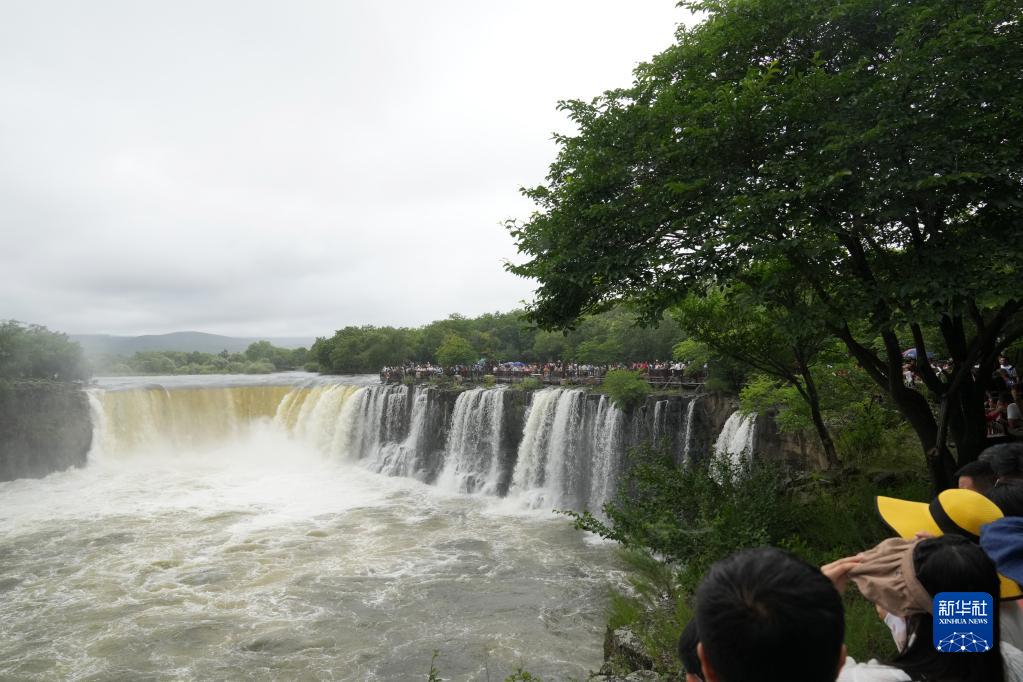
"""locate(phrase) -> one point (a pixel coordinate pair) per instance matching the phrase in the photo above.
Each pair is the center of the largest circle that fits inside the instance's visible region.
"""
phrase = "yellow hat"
(954, 511)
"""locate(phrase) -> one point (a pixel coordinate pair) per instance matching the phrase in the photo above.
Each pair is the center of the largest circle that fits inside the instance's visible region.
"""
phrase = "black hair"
(1006, 458)
(980, 471)
(763, 614)
(951, 563)
(1008, 496)
(687, 642)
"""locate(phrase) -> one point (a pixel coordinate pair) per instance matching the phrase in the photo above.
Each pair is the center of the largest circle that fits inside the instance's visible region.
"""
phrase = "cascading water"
(736, 438)
(660, 415)
(157, 418)
(546, 473)
(371, 420)
(473, 452)
(224, 531)
(569, 455)
(312, 413)
(688, 438)
(607, 454)
(405, 458)
(571, 451)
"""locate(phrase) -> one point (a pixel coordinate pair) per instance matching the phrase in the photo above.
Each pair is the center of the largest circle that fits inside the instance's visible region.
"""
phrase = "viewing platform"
(662, 379)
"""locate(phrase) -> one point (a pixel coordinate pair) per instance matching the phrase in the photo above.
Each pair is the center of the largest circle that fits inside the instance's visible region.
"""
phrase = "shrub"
(530, 384)
(626, 388)
(691, 517)
(259, 367)
(489, 380)
(312, 367)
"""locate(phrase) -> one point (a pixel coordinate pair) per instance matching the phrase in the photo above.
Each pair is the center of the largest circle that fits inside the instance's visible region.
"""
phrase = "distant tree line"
(604, 338)
(31, 351)
(260, 357)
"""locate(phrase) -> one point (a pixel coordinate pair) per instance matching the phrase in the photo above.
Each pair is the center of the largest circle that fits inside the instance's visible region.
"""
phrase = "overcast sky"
(285, 168)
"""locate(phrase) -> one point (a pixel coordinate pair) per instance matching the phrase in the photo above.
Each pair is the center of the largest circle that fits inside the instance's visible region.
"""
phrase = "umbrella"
(911, 354)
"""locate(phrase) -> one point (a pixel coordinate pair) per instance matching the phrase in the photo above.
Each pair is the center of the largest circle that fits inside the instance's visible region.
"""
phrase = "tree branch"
(923, 365)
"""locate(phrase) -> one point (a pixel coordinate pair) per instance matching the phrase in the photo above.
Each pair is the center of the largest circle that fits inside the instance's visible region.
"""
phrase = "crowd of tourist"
(1003, 405)
(554, 371)
(1004, 378)
(765, 615)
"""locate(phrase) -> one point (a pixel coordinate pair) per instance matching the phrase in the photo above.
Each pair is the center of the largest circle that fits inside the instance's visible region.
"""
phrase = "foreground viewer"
(901, 578)
(762, 614)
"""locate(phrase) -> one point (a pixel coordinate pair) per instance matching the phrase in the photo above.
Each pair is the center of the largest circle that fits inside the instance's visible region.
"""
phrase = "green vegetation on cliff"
(625, 388)
(44, 418)
(34, 352)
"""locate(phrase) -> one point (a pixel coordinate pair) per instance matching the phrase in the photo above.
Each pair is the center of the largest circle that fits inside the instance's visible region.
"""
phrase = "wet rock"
(44, 427)
(636, 676)
(644, 676)
(624, 651)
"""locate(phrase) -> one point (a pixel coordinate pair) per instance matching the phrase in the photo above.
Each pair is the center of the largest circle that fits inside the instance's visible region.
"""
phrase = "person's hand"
(838, 571)
(924, 535)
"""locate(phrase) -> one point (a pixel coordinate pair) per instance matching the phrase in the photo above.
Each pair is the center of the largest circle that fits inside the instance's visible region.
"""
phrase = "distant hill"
(106, 344)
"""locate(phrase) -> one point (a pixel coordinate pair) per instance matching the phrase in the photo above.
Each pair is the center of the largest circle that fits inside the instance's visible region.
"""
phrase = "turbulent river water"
(204, 545)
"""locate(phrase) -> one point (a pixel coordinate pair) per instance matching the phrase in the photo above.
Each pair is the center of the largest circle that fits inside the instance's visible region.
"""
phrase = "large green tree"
(34, 352)
(454, 350)
(871, 145)
(363, 349)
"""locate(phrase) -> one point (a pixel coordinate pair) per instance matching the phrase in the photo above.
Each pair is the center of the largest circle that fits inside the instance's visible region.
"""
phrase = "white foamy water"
(736, 438)
(225, 534)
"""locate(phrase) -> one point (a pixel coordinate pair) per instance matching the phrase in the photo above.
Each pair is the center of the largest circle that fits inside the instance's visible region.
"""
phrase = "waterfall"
(660, 416)
(315, 414)
(160, 419)
(369, 420)
(566, 452)
(532, 456)
(407, 457)
(607, 453)
(735, 441)
(549, 471)
(688, 438)
(473, 452)
(100, 425)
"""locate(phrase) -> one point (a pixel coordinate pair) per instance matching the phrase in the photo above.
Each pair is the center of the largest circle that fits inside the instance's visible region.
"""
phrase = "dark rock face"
(440, 404)
(795, 450)
(44, 427)
(514, 418)
(663, 418)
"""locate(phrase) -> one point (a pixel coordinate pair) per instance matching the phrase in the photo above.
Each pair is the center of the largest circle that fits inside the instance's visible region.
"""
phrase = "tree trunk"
(969, 430)
(917, 411)
(813, 399)
(910, 403)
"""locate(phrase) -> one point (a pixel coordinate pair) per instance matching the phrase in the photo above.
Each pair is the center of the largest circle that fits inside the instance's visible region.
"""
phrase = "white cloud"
(285, 168)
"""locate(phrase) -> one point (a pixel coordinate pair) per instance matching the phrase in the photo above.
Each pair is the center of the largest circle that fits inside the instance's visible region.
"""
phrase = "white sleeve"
(1012, 412)
(872, 671)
